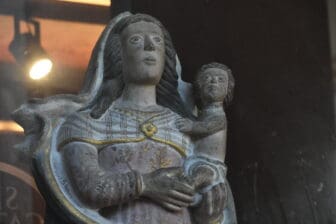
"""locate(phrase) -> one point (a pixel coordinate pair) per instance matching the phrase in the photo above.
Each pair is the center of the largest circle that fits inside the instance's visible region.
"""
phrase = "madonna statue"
(113, 153)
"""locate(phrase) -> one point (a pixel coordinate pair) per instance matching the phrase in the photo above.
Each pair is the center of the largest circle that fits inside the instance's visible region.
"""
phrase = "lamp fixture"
(28, 52)
(10, 126)
(90, 2)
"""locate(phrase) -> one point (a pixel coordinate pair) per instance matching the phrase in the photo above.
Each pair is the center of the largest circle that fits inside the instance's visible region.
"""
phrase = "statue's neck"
(138, 96)
(213, 108)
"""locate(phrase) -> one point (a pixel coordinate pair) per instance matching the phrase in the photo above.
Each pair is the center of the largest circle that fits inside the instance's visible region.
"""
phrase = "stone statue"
(120, 151)
(213, 86)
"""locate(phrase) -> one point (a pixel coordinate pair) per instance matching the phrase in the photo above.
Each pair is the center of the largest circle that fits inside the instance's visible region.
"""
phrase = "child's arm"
(202, 128)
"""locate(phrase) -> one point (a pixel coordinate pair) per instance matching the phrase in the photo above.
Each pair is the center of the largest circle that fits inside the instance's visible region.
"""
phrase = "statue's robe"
(131, 140)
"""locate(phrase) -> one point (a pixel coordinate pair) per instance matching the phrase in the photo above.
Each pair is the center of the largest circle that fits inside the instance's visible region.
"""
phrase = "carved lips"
(150, 60)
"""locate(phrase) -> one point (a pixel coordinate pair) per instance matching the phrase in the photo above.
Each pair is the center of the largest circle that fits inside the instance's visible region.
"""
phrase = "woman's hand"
(211, 208)
(168, 188)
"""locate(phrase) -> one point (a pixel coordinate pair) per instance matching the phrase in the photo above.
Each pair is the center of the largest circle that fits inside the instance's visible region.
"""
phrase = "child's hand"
(203, 176)
(184, 125)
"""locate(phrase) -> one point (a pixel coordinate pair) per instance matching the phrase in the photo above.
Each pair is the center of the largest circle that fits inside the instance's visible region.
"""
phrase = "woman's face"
(143, 53)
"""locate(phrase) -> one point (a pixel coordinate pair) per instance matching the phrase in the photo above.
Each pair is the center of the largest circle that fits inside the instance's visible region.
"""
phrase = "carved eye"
(157, 39)
(221, 79)
(135, 39)
(208, 78)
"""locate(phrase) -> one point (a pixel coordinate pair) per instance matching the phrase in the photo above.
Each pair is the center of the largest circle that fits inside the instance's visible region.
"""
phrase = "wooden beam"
(51, 9)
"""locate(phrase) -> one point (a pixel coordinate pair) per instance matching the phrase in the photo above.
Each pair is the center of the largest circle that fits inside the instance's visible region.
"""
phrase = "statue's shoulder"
(77, 118)
(74, 124)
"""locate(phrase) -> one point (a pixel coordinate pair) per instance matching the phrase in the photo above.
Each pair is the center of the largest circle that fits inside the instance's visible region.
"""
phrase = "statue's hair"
(166, 91)
(231, 82)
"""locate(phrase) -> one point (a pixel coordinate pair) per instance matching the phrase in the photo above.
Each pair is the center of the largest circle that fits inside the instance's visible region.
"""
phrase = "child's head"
(214, 83)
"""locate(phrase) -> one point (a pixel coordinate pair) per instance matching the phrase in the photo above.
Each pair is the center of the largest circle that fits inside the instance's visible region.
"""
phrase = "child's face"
(213, 84)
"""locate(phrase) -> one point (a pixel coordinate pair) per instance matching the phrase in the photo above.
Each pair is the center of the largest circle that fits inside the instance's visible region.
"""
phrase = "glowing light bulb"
(40, 69)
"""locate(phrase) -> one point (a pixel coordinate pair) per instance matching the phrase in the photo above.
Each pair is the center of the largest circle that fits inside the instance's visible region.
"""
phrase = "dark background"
(281, 143)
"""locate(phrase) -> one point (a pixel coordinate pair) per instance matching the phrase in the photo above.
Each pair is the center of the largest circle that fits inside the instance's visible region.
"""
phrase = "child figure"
(214, 85)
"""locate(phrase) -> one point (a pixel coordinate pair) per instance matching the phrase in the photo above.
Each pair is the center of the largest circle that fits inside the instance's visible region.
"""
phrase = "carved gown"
(126, 140)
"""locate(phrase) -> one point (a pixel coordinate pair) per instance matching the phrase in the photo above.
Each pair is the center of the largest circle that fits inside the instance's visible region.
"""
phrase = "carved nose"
(149, 45)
